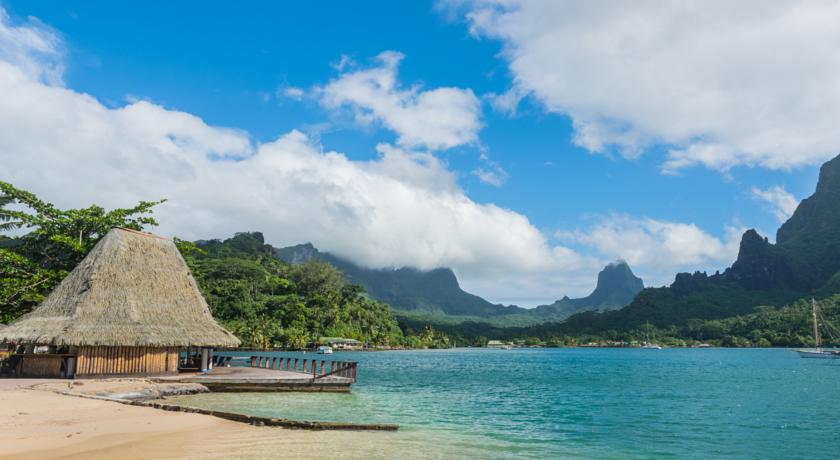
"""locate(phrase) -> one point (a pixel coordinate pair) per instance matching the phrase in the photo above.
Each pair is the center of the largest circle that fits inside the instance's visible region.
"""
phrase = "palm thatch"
(133, 289)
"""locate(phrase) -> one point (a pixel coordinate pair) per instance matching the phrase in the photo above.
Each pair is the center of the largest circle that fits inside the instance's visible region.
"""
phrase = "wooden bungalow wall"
(126, 360)
(41, 366)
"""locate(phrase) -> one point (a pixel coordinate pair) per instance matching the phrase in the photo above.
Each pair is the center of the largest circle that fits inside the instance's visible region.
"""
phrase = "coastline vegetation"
(765, 326)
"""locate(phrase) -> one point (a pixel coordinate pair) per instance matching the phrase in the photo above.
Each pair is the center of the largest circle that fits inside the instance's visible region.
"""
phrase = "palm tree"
(5, 200)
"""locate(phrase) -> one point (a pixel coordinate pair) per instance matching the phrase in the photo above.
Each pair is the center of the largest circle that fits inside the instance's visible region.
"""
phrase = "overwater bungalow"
(129, 308)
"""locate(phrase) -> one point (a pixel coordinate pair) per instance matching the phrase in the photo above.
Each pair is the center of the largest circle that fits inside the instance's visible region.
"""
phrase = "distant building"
(497, 344)
(340, 343)
(129, 307)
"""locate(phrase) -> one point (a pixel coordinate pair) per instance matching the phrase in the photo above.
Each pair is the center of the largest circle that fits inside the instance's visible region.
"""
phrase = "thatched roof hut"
(133, 290)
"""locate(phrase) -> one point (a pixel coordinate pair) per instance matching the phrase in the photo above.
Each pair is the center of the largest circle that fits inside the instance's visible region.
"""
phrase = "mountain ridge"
(432, 292)
(437, 295)
(804, 261)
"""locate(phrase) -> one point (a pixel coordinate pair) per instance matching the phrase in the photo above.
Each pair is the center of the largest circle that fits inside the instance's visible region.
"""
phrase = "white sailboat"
(647, 344)
(819, 352)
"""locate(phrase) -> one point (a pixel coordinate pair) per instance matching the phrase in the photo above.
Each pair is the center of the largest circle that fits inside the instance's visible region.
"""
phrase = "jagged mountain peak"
(818, 213)
(617, 280)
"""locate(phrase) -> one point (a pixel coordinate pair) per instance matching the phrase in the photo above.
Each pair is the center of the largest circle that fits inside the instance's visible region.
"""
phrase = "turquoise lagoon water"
(581, 403)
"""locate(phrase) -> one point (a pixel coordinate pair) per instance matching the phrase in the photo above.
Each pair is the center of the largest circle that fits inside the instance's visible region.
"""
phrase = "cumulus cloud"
(782, 203)
(403, 208)
(434, 119)
(658, 247)
(719, 83)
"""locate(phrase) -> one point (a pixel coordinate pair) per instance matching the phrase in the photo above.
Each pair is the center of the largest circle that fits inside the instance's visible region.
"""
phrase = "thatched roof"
(133, 289)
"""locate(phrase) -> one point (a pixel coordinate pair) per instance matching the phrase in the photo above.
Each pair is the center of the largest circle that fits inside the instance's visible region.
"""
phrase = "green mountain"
(436, 295)
(433, 293)
(617, 287)
(804, 261)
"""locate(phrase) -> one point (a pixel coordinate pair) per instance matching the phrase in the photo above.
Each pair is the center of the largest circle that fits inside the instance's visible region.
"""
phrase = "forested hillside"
(267, 302)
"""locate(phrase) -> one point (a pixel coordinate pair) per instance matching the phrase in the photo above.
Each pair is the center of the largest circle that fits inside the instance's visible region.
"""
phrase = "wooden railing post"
(296, 363)
(253, 361)
(323, 367)
(353, 376)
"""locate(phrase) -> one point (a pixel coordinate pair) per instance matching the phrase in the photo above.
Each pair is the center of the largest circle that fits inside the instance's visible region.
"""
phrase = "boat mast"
(816, 326)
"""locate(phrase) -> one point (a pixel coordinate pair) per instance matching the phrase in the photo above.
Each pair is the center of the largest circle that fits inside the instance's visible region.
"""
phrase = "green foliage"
(33, 264)
(428, 337)
(267, 302)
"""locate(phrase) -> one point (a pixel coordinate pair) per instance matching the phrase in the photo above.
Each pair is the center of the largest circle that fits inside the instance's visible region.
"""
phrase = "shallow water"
(579, 403)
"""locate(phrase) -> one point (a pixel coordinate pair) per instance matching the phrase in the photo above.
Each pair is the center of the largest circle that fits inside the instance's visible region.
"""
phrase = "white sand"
(38, 423)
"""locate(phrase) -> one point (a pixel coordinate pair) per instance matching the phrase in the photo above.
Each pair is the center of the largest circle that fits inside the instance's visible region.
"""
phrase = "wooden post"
(295, 368)
(253, 361)
(323, 367)
(353, 375)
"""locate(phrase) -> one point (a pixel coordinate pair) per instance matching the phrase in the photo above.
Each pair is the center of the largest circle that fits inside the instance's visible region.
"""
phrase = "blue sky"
(230, 64)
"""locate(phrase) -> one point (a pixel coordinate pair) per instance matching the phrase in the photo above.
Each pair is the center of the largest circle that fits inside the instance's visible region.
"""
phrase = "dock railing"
(318, 368)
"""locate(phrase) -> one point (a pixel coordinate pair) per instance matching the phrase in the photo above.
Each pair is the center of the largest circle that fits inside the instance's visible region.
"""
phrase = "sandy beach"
(37, 423)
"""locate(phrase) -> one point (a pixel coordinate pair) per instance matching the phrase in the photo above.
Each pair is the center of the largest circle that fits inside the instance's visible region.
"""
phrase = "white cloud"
(507, 102)
(720, 83)
(291, 92)
(438, 118)
(782, 202)
(492, 175)
(32, 47)
(657, 247)
(402, 209)
(343, 63)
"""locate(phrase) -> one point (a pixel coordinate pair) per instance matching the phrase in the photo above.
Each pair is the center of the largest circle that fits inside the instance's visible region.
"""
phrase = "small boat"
(819, 352)
(647, 344)
(325, 350)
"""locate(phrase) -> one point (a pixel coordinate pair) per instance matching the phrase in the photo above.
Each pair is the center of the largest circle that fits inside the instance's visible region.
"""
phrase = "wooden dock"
(271, 374)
